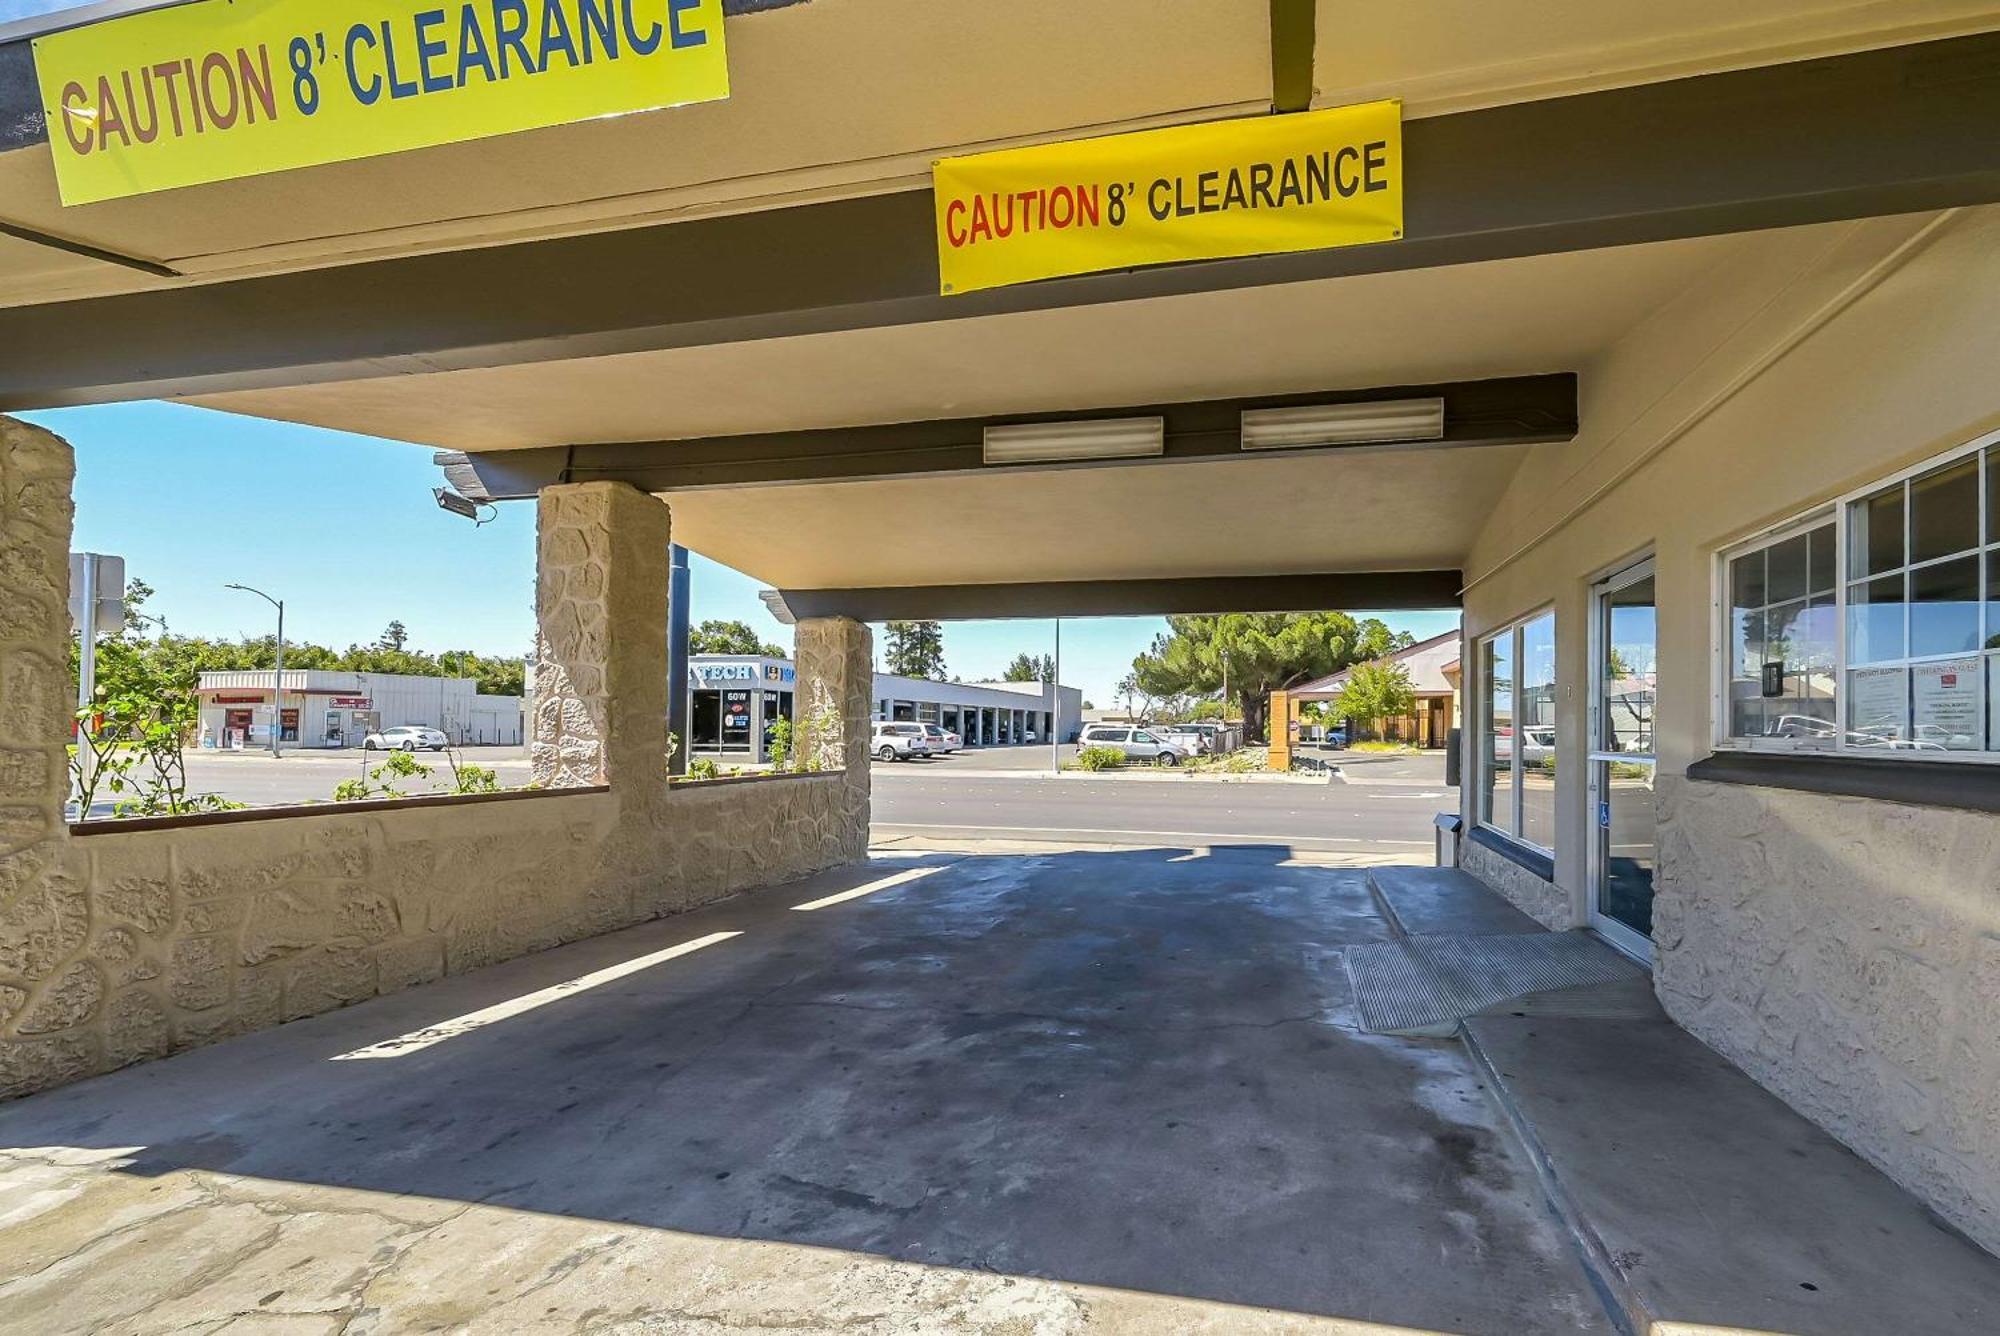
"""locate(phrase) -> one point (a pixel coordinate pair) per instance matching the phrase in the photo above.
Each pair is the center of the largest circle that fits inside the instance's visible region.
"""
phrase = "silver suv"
(1138, 744)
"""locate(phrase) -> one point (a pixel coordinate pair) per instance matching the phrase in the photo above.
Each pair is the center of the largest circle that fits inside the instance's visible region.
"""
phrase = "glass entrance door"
(1625, 673)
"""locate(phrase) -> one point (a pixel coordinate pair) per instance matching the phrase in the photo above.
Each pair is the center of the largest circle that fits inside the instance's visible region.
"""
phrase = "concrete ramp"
(1429, 984)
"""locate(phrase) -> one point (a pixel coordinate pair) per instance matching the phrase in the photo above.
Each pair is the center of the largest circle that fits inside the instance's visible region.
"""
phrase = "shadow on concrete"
(1136, 1069)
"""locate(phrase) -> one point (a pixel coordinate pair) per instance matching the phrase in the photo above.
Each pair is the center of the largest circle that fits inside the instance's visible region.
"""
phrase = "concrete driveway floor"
(1115, 1091)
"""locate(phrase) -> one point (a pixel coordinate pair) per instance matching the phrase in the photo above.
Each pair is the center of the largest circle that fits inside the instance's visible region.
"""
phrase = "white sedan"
(407, 737)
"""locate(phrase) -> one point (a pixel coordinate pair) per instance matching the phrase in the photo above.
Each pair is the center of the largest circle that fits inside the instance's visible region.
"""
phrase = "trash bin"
(1447, 825)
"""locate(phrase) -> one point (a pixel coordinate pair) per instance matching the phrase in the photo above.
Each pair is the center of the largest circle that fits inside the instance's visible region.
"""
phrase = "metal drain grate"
(1432, 983)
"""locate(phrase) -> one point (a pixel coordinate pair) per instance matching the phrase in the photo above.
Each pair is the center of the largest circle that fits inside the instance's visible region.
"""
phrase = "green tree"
(394, 636)
(1373, 691)
(146, 659)
(1257, 653)
(1028, 668)
(732, 637)
(916, 649)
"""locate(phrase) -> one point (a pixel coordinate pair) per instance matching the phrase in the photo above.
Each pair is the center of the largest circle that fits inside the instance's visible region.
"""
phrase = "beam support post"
(833, 696)
(601, 641)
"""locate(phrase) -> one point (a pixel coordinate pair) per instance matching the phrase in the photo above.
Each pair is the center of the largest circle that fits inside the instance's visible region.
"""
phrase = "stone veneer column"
(35, 472)
(836, 664)
(601, 644)
(43, 914)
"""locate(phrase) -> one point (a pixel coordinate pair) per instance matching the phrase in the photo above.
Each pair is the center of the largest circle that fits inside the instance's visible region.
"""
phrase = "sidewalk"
(1698, 1200)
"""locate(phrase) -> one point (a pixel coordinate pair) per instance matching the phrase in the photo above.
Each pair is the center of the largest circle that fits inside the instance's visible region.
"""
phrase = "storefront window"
(1784, 631)
(1918, 603)
(1517, 760)
(1536, 709)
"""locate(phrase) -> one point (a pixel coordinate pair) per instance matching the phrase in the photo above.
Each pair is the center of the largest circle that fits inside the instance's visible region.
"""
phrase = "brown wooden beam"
(1509, 410)
(1292, 54)
(1339, 590)
(1899, 130)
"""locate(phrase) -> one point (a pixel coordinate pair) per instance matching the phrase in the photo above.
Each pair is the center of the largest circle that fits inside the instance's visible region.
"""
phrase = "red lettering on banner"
(223, 89)
(994, 217)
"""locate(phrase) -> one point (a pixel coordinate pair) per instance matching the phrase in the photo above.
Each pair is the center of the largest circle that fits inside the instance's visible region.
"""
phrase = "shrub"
(704, 767)
(1100, 758)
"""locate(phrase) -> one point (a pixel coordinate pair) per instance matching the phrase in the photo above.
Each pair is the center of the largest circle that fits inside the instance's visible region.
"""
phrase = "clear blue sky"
(344, 529)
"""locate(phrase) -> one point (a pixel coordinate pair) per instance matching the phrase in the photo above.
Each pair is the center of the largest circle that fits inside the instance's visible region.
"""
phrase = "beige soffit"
(1503, 317)
(1457, 55)
(844, 97)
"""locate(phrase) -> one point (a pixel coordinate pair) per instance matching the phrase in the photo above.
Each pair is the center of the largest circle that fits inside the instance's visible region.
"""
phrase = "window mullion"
(1520, 735)
(1840, 587)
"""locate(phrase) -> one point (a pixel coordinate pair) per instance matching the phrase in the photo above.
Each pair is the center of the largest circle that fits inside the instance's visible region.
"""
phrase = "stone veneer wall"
(123, 944)
(1845, 952)
(1544, 901)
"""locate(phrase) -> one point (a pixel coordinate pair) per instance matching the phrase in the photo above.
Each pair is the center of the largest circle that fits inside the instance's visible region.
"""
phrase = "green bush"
(1100, 758)
(704, 767)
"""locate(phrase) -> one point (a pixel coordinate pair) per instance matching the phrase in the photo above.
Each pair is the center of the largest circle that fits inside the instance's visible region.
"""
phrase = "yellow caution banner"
(1198, 192)
(229, 88)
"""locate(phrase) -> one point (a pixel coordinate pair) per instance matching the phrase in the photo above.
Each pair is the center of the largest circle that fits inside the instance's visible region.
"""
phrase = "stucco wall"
(1544, 901)
(1846, 953)
(1842, 951)
(123, 944)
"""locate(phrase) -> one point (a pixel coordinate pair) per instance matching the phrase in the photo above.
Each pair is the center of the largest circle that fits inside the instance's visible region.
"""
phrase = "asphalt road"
(1338, 817)
(1385, 809)
(307, 776)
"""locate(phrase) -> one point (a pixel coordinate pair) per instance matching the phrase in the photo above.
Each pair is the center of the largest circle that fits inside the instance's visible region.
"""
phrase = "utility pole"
(678, 582)
(277, 673)
(86, 679)
(1055, 705)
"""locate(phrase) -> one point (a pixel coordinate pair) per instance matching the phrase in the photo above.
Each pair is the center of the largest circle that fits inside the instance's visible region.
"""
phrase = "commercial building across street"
(733, 702)
(1433, 669)
(339, 709)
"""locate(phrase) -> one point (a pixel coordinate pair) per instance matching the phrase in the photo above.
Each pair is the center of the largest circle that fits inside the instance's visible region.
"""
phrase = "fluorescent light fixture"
(1103, 438)
(1343, 424)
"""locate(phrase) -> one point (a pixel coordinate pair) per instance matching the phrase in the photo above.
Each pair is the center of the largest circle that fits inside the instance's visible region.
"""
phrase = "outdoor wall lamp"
(1103, 438)
(1343, 424)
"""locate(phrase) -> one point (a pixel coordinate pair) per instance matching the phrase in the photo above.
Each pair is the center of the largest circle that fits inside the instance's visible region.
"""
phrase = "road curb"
(1169, 775)
(1176, 775)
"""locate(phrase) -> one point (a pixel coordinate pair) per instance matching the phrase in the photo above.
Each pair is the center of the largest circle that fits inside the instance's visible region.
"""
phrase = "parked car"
(1138, 744)
(1195, 739)
(406, 737)
(943, 741)
(898, 742)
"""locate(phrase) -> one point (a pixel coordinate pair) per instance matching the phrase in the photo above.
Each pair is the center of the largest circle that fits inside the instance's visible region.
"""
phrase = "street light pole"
(278, 672)
(1055, 705)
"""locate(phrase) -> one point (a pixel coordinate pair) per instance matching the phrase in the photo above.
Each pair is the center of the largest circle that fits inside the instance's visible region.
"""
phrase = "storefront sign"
(228, 88)
(726, 672)
(256, 699)
(1200, 192)
(779, 672)
(352, 703)
(1946, 701)
(1878, 702)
